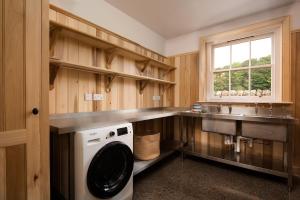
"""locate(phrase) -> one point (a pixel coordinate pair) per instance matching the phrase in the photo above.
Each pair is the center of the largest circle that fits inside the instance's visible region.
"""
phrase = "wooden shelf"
(108, 47)
(111, 74)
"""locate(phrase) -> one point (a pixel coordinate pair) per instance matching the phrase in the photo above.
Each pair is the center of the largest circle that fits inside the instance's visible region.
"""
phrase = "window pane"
(221, 83)
(239, 83)
(240, 55)
(261, 82)
(261, 52)
(222, 57)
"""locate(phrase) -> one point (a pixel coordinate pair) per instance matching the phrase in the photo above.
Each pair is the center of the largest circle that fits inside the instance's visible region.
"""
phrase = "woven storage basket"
(146, 145)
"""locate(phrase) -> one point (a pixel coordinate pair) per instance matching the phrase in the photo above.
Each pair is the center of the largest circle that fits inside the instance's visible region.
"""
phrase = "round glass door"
(110, 170)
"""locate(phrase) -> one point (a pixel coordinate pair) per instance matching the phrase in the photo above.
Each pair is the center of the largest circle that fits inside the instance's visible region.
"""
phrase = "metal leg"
(289, 156)
(193, 134)
(181, 131)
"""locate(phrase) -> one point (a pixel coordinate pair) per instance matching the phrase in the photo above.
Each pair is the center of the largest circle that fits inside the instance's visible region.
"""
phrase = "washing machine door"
(110, 170)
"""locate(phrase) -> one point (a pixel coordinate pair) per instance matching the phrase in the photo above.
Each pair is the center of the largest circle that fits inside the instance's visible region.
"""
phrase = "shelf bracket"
(108, 82)
(143, 65)
(143, 84)
(165, 88)
(167, 72)
(110, 55)
(53, 73)
(55, 34)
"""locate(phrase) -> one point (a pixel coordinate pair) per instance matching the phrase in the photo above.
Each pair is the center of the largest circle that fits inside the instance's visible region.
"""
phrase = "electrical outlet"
(88, 97)
(156, 98)
(98, 97)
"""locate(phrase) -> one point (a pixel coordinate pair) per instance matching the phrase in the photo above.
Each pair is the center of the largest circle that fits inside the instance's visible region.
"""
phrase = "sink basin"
(223, 126)
(277, 132)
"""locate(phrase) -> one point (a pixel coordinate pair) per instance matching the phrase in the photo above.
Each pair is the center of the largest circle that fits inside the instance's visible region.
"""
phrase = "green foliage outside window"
(221, 81)
(260, 77)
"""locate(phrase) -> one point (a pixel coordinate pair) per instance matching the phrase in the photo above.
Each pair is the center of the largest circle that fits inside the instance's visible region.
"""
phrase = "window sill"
(244, 102)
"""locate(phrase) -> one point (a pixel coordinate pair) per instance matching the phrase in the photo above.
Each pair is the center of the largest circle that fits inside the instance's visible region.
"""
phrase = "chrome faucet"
(219, 108)
(229, 109)
(271, 109)
(256, 108)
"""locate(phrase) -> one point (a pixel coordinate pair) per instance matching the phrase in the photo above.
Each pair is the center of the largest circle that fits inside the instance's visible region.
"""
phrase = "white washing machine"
(104, 163)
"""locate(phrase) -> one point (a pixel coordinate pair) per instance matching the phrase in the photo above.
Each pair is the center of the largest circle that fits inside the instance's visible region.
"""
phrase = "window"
(243, 68)
(249, 64)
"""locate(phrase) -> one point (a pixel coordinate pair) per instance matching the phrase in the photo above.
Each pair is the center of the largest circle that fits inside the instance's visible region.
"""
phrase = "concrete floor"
(192, 179)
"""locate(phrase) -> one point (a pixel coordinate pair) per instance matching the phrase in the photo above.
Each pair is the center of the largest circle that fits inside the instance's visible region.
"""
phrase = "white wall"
(108, 17)
(190, 42)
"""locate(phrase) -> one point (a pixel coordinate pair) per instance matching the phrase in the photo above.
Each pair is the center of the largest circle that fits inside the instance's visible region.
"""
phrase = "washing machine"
(104, 163)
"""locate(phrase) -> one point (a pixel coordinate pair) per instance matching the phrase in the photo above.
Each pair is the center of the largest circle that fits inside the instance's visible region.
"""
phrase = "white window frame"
(273, 30)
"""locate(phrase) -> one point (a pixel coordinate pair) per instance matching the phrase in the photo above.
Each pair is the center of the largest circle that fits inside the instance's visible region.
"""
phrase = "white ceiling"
(171, 18)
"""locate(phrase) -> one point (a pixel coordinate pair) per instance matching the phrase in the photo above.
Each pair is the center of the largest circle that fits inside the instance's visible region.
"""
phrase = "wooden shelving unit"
(111, 49)
(111, 74)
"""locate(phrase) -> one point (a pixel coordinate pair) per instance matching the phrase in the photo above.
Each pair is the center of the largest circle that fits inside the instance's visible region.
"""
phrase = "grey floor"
(192, 179)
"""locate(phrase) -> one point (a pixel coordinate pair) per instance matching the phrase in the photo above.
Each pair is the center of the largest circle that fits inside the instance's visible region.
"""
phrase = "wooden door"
(24, 157)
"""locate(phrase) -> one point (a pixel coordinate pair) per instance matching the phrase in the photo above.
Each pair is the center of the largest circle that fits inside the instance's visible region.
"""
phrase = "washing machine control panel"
(112, 133)
(122, 131)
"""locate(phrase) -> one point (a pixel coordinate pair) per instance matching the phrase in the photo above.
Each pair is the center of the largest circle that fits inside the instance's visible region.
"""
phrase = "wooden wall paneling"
(267, 154)
(176, 63)
(278, 155)
(100, 88)
(187, 80)
(2, 71)
(52, 99)
(204, 142)
(296, 96)
(202, 71)
(117, 90)
(183, 81)
(85, 57)
(286, 61)
(61, 92)
(177, 128)
(73, 77)
(2, 110)
(186, 91)
(194, 78)
(129, 85)
(258, 152)
(2, 173)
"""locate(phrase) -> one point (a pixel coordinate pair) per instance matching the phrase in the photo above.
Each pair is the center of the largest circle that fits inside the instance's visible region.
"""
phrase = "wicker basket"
(146, 145)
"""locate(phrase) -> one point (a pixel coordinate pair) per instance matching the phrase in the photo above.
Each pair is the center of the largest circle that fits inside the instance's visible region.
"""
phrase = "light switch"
(156, 98)
(98, 97)
(88, 97)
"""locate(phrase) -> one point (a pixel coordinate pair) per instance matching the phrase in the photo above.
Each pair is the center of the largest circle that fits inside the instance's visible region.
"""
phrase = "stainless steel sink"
(222, 126)
(267, 131)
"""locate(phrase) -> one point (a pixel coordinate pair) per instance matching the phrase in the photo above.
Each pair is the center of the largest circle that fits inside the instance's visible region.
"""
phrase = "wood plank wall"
(296, 95)
(187, 79)
(70, 85)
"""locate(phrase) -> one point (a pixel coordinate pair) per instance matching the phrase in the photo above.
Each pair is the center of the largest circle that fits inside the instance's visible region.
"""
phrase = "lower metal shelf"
(140, 165)
(233, 159)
